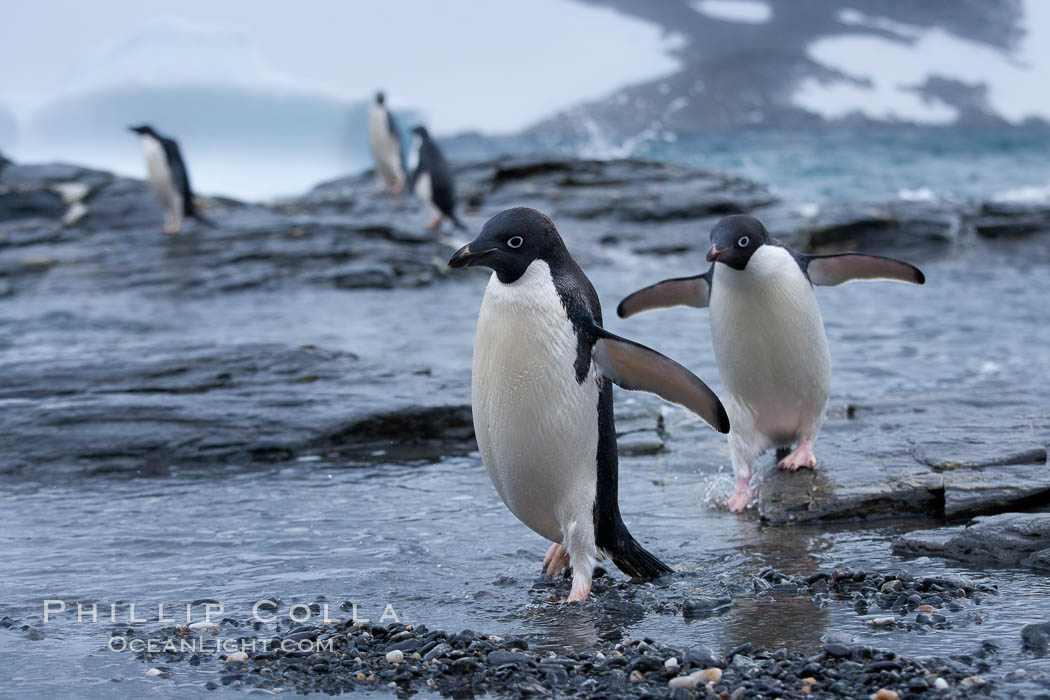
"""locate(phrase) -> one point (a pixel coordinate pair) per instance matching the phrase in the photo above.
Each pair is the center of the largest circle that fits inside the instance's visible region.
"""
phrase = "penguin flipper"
(633, 366)
(831, 270)
(680, 291)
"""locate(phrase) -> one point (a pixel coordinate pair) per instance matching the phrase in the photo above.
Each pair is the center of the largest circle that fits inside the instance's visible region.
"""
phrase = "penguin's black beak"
(465, 257)
(715, 252)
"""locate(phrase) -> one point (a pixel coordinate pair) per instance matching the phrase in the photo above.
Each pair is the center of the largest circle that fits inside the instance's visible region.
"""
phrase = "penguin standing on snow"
(385, 141)
(768, 336)
(169, 178)
(431, 178)
(542, 396)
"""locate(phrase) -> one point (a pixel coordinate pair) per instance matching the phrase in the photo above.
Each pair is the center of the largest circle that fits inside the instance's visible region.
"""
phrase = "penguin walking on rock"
(431, 178)
(169, 178)
(541, 391)
(768, 336)
(385, 141)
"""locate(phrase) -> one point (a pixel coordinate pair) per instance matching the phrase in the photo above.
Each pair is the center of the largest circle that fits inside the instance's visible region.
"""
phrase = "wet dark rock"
(973, 454)
(212, 404)
(1012, 220)
(646, 664)
(702, 606)
(440, 650)
(702, 657)
(405, 645)
(744, 648)
(899, 228)
(1009, 538)
(933, 469)
(1036, 635)
(499, 658)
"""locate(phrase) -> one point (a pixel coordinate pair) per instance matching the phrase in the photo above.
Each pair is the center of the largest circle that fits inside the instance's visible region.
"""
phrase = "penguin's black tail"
(203, 220)
(630, 557)
(190, 210)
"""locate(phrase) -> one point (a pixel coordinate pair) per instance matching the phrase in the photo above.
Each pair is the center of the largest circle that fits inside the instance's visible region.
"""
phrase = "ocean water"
(816, 167)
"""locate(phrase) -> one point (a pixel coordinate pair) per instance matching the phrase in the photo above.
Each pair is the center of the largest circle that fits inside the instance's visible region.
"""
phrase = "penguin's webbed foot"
(801, 458)
(581, 588)
(556, 560)
(398, 187)
(435, 222)
(741, 496)
(171, 227)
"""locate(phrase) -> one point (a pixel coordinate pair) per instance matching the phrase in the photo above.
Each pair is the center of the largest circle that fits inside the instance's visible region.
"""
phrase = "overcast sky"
(490, 65)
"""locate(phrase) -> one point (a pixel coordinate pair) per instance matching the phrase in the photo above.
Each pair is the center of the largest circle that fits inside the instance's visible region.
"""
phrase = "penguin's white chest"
(413, 155)
(159, 172)
(537, 427)
(385, 146)
(771, 348)
(424, 188)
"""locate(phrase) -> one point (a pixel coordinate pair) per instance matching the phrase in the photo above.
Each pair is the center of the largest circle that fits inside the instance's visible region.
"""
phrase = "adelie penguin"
(169, 178)
(431, 178)
(385, 141)
(768, 336)
(542, 396)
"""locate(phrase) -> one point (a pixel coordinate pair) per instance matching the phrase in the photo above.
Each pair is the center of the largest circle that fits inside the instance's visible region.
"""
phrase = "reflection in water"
(775, 622)
(779, 620)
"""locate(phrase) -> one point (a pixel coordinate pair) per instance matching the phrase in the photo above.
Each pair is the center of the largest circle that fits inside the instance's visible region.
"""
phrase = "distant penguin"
(768, 336)
(431, 178)
(385, 141)
(169, 178)
(542, 396)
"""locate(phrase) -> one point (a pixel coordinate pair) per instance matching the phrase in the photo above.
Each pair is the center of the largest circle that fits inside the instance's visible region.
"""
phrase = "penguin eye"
(743, 242)
(515, 241)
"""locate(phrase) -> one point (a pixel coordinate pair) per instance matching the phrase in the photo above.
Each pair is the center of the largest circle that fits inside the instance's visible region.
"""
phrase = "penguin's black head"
(735, 239)
(380, 97)
(510, 241)
(143, 130)
(421, 132)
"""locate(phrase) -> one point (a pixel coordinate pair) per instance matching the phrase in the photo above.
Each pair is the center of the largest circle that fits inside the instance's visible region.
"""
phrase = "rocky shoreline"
(347, 655)
(66, 230)
(129, 391)
(68, 227)
(1008, 539)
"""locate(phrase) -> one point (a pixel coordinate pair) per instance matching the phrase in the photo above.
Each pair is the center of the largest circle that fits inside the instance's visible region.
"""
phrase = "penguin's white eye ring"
(743, 242)
(515, 241)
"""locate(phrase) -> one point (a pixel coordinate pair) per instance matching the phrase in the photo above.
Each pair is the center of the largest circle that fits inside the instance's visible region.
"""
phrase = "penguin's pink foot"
(398, 187)
(581, 588)
(556, 560)
(802, 457)
(171, 226)
(741, 496)
(435, 222)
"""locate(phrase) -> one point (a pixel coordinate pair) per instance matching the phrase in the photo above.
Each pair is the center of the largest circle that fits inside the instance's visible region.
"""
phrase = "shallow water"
(430, 537)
